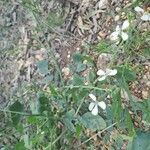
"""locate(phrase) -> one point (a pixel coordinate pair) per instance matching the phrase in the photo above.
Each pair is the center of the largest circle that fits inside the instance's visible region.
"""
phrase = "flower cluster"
(104, 73)
(93, 107)
(120, 32)
(145, 16)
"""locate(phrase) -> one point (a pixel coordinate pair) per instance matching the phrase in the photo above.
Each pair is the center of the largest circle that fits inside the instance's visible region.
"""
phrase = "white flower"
(145, 15)
(119, 31)
(93, 107)
(103, 74)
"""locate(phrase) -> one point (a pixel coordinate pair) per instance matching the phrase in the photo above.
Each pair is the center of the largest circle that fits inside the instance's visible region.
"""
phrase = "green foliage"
(103, 46)
(142, 141)
(19, 146)
(77, 80)
(117, 105)
(43, 67)
(58, 114)
(69, 117)
(127, 73)
(92, 122)
(16, 107)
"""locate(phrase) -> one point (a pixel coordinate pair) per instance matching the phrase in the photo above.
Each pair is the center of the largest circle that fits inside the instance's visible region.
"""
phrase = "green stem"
(97, 134)
(19, 113)
(85, 87)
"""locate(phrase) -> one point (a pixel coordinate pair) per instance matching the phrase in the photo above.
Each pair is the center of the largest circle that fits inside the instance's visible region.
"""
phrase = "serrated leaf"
(93, 122)
(91, 77)
(43, 67)
(127, 73)
(77, 80)
(77, 57)
(146, 53)
(80, 67)
(128, 123)
(142, 141)
(16, 107)
(48, 79)
(68, 120)
(116, 105)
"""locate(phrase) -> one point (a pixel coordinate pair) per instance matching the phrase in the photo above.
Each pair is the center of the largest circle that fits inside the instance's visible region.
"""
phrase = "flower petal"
(138, 9)
(101, 72)
(102, 104)
(125, 25)
(92, 96)
(124, 36)
(114, 36)
(102, 78)
(118, 29)
(95, 110)
(91, 106)
(111, 72)
(146, 17)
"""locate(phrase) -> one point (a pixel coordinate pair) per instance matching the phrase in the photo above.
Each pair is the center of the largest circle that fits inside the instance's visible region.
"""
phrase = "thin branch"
(97, 134)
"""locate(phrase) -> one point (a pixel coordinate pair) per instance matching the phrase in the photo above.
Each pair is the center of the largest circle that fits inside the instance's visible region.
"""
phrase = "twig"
(58, 138)
(85, 87)
(19, 113)
(97, 134)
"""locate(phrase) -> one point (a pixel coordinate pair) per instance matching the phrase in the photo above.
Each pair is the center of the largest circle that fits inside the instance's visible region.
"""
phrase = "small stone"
(57, 55)
(85, 62)
(117, 9)
(86, 83)
(145, 94)
(117, 17)
(146, 67)
(78, 49)
(148, 83)
(102, 34)
(66, 71)
(68, 56)
(123, 15)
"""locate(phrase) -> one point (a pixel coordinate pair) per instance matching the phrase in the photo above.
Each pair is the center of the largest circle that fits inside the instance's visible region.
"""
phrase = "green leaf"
(78, 130)
(43, 102)
(53, 90)
(116, 105)
(27, 141)
(16, 107)
(80, 67)
(19, 146)
(77, 57)
(32, 120)
(43, 67)
(146, 53)
(68, 120)
(102, 47)
(48, 79)
(91, 77)
(93, 122)
(127, 73)
(142, 141)
(35, 106)
(128, 123)
(89, 60)
(77, 80)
